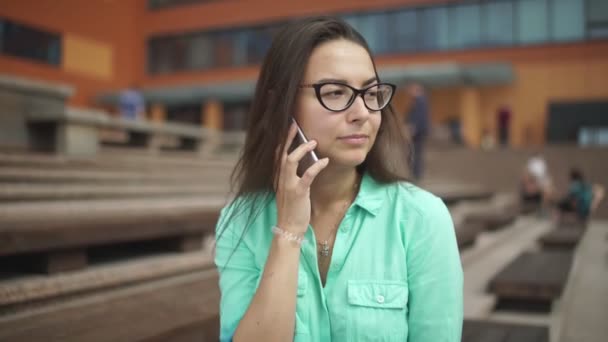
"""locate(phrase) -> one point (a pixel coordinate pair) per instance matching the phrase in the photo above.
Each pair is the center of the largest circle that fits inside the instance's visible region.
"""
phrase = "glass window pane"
(465, 26)
(162, 4)
(223, 49)
(259, 42)
(434, 30)
(597, 11)
(352, 20)
(1, 34)
(404, 33)
(369, 30)
(532, 21)
(239, 56)
(30, 43)
(199, 50)
(498, 23)
(568, 20)
(383, 44)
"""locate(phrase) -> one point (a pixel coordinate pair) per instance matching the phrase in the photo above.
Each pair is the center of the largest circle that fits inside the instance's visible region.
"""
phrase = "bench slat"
(134, 313)
(485, 331)
(534, 276)
(30, 227)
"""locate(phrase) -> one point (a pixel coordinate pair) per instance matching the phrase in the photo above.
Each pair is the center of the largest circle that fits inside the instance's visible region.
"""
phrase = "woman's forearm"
(271, 313)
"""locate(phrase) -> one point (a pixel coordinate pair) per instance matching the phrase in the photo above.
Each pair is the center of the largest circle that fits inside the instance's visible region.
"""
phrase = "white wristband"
(287, 235)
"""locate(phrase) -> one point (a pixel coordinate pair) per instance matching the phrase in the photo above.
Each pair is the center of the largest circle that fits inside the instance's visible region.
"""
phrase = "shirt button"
(380, 299)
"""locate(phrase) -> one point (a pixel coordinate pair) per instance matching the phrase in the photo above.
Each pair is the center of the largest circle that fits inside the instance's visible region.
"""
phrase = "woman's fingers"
(309, 176)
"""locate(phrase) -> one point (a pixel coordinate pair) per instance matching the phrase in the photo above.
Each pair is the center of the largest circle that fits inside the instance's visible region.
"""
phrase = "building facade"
(197, 60)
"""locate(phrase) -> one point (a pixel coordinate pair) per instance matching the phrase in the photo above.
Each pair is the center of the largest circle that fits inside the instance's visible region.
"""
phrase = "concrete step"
(55, 192)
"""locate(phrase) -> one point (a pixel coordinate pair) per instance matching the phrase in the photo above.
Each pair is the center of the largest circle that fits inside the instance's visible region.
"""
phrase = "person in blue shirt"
(580, 196)
(349, 250)
(418, 120)
(131, 104)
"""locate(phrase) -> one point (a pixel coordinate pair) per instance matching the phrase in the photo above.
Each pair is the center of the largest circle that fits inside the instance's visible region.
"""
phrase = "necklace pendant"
(324, 252)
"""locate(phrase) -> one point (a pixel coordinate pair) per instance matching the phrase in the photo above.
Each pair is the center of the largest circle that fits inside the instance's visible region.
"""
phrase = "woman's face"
(344, 137)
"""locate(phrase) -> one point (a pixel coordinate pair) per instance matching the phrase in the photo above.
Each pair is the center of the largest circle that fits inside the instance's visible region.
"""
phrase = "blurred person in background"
(418, 121)
(582, 197)
(504, 123)
(536, 184)
(131, 104)
(348, 250)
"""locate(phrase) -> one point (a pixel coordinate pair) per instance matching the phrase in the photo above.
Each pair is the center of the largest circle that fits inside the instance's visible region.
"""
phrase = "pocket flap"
(385, 294)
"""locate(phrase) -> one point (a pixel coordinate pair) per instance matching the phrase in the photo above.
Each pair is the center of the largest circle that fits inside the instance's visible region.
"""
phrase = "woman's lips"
(354, 139)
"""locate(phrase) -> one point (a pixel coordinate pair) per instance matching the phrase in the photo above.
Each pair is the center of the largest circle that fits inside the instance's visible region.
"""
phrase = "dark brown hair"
(275, 97)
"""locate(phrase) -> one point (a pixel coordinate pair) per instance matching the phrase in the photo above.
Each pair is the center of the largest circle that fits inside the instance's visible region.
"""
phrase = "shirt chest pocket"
(377, 310)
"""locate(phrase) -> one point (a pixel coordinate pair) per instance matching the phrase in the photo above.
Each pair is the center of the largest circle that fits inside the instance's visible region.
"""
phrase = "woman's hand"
(293, 192)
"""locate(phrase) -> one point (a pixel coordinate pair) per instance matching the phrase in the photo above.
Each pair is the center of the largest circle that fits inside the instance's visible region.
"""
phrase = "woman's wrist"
(288, 235)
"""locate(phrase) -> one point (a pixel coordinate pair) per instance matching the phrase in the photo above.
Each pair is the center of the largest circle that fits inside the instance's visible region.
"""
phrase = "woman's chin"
(347, 161)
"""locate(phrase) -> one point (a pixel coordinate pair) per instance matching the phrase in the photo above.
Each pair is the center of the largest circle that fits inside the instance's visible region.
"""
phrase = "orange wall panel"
(88, 57)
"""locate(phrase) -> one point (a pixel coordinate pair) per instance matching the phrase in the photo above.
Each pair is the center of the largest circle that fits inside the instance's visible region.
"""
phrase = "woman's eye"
(333, 93)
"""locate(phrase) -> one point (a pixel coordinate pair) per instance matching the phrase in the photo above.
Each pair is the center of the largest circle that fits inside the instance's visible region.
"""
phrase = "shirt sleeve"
(435, 278)
(238, 273)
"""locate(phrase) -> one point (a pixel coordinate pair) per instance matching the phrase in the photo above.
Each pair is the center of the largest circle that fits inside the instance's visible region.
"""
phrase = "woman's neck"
(333, 186)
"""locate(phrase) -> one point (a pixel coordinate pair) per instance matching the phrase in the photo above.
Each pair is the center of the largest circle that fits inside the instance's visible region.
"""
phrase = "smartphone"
(310, 157)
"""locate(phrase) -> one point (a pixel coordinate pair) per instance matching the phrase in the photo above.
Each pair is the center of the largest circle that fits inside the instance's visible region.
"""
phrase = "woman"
(349, 251)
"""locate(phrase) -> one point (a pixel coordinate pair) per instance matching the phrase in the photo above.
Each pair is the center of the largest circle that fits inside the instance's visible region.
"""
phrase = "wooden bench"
(183, 305)
(495, 213)
(466, 231)
(485, 331)
(561, 238)
(116, 176)
(76, 132)
(23, 291)
(59, 236)
(452, 193)
(117, 158)
(60, 192)
(532, 281)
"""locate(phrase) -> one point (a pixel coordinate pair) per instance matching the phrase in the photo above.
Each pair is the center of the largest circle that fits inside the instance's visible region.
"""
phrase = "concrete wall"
(501, 169)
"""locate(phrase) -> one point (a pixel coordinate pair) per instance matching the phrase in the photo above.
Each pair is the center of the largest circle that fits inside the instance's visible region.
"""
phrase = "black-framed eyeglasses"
(337, 97)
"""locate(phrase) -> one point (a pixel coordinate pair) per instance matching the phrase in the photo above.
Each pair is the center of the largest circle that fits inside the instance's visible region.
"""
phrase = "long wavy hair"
(283, 69)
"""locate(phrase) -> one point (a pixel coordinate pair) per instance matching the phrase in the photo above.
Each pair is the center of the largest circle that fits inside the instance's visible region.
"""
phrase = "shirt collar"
(371, 194)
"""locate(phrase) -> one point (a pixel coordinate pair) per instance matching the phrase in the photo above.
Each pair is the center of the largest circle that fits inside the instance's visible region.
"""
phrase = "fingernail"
(313, 143)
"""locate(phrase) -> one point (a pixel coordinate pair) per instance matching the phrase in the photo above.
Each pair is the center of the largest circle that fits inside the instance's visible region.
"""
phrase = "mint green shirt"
(395, 272)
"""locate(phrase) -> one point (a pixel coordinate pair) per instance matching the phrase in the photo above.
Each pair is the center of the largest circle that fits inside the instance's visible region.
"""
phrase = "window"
(497, 20)
(239, 58)
(533, 23)
(367, 26)
(199, 52)
(380, 37)
(162, 4)
(567, 20)
(259, 43)
(597, 11)
(458, 25)
(29, 43)
(434, 29)
(465, 26)
(405, 33)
